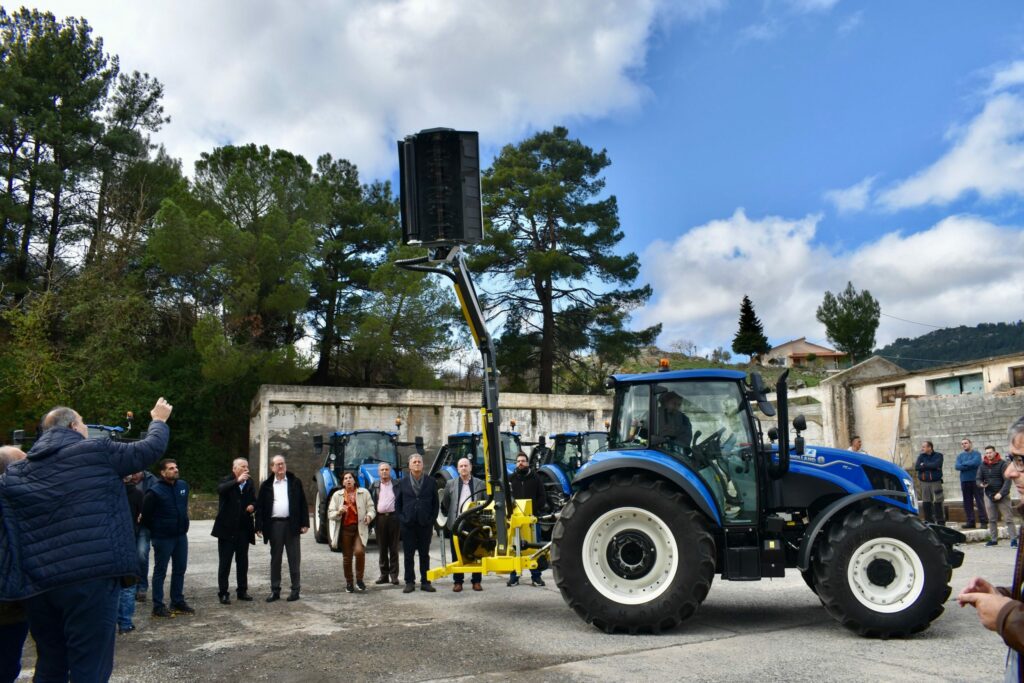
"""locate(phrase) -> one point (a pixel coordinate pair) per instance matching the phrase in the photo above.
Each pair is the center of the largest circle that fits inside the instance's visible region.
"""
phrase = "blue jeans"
(73, 627)
(142, 547)
(174, 550)
(12, 640)
(126, 607)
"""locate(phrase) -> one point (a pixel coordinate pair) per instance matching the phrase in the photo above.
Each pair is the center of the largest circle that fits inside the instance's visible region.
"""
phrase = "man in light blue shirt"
(967, 463)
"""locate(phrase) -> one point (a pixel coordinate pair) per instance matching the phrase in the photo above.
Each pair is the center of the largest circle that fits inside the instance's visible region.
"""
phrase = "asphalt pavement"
(770, 630)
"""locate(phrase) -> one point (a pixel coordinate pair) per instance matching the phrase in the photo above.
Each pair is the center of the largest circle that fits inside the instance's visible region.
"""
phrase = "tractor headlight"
(909, 486)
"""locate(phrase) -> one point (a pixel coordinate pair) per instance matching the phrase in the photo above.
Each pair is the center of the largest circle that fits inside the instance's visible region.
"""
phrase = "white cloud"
(1008, 77)
(812, 5)
(762, 32)
(987, 158)
(853, 198)
(963, 270)
(352, 77)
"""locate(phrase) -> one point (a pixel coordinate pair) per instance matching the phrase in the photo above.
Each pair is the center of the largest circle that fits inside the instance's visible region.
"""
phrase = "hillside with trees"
(955, 345)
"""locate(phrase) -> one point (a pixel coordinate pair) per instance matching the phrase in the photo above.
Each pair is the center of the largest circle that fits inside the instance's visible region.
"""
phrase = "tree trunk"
(26, 236)
(51, 243)
(99, 227)
(547, 338)
(327, 338)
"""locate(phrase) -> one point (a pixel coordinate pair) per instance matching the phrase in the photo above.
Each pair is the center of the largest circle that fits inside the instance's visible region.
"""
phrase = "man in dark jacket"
(1002, 609)
(13, 622)
(993, 481)
(967, 463)
(282, 515)
(929, 473)
(165, 514)
(234, 529)
(455, 499)
(417, 505)
(68, 563)
(526, 485)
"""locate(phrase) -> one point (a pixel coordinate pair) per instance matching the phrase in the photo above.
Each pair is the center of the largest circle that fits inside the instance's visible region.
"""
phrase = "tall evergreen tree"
(850, 320)
(750, 338)
(549, 247)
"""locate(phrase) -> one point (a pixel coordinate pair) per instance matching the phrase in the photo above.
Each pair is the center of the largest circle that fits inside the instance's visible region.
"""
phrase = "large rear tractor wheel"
(319, 516)
(631, 554)
(882, 573)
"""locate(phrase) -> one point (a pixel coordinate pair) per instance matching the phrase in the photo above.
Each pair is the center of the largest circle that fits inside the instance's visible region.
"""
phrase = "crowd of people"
(74, 576)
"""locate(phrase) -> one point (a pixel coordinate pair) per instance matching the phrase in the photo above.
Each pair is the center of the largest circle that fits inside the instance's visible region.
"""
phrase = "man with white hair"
(234, 530)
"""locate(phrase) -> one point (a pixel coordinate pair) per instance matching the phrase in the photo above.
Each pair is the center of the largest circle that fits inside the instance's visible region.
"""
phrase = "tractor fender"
(679, 475)
(325, 482)
(803, 562)
(558, 475)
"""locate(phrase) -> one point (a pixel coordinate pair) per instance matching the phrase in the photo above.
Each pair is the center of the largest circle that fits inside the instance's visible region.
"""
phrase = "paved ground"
(767, 630)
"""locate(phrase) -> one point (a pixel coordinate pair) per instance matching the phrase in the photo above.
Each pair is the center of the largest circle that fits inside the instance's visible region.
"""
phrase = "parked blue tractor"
(688, 488)
(470, 445)
(361, 452)
(558, 463)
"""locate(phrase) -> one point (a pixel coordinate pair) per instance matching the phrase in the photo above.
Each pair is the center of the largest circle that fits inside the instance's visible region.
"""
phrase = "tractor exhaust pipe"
(779, 470)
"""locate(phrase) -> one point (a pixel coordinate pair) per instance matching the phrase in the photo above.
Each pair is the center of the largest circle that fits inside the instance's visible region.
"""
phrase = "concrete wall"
(945, 420)
(286, 418)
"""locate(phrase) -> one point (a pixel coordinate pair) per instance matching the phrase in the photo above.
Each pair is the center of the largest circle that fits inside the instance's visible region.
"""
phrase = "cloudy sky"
(777, 148)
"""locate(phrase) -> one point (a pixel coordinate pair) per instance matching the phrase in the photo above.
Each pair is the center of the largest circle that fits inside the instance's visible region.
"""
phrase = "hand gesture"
(250, 509)
(161, 411)
(998, 496)
(243, 477)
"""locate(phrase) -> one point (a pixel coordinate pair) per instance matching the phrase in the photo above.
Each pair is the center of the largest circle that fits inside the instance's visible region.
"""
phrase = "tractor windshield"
(592, 443)
(370, 448)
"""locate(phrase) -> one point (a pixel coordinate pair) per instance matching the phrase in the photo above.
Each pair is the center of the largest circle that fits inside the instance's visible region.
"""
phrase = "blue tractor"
(688, 488)
(470, 445)
(360, 451)
(558, 463)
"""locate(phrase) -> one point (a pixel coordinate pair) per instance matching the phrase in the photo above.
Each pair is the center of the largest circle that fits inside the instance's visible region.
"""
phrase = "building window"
(888, 395)
(1017, 377)
(963, 384)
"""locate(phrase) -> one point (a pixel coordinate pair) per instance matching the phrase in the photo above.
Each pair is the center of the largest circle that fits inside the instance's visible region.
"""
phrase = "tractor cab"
(361, 452)
(470, 445)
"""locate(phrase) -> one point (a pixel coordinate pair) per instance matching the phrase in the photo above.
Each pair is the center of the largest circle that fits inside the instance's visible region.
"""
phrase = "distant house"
(801, 353)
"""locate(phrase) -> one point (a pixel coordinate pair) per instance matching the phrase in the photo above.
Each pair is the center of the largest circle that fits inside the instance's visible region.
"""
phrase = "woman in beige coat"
(351, 511)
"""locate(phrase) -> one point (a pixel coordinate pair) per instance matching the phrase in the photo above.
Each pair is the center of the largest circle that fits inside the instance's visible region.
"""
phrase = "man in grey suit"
(454, 501)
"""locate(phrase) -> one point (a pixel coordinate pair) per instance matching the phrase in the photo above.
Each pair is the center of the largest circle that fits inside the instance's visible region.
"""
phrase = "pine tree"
(750, 338)
(850, 319)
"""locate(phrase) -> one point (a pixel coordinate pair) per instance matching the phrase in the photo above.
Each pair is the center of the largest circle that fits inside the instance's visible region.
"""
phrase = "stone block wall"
(945, 420)
(285, 419)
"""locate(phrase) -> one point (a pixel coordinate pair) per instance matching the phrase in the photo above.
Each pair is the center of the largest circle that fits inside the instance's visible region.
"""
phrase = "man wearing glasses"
(1001, 609)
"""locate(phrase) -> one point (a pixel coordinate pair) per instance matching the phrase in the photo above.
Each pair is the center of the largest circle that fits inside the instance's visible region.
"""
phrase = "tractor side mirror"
(799, 424)
(419, 445)
(318, 445)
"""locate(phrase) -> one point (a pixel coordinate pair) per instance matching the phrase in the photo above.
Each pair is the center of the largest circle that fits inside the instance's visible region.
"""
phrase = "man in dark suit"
(417, 506)
(234, 529)
(282, 515)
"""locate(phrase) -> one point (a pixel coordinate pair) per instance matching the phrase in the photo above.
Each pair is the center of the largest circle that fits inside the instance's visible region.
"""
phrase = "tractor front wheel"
(319, 516)
(631, 554)
(882, 573)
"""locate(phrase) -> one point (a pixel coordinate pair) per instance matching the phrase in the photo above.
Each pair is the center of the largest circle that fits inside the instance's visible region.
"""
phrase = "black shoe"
(512, 581)
(394, 581)
(293, 596)
(361, 586)
(273, 596)
(244, 597)
(183, 609)
(349, 588)
(162, 612)
(427, 588)
(969, 526)
(225, 599)
(121, 630)
(409, 588)
(382, 580)
(538, 582)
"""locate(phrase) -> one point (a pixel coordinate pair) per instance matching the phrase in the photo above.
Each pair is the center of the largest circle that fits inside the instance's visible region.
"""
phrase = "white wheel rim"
(316, 516)
(902, 591)
(615, 587)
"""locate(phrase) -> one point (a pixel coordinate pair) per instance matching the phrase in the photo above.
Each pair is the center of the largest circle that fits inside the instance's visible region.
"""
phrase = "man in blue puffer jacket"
(165, 514)
(67, 539)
